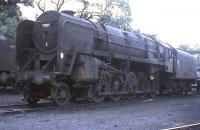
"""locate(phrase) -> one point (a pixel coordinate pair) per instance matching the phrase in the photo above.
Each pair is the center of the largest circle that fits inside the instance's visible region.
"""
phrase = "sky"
(173, 21)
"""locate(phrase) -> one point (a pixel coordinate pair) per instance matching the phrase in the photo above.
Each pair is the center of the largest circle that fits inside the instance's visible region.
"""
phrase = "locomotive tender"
(63, 57)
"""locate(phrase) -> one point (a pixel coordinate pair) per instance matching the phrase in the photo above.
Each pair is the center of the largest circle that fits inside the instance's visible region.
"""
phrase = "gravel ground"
(9, 99)
(159, 113)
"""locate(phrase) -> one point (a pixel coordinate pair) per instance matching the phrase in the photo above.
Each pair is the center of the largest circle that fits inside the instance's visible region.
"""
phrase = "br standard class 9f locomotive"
(64, 57)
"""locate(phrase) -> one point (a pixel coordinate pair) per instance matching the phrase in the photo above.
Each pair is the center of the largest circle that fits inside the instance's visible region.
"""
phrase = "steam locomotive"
(63, 57)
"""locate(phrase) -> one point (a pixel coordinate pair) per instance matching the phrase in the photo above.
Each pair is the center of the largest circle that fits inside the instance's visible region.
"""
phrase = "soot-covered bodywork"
(59, 54)
(186, 65)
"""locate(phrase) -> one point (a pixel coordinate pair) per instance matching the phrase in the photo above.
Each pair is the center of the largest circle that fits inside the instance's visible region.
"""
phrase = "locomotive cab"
(169, 60)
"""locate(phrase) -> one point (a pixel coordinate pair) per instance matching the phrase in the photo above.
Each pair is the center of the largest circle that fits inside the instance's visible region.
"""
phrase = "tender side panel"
(186, 66)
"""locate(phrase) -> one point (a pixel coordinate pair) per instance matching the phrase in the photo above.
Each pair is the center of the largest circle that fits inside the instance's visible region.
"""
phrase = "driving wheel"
(61, 94)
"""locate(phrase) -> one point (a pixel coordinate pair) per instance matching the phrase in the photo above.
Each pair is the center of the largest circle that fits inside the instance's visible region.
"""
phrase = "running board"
(122, 93)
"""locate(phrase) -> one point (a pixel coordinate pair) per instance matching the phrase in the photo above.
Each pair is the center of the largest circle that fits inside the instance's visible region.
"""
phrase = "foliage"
(191, 49)
(195, 50)
(14, 2)
(116, 13)
(111, 12)
(41, 4)
(185, 47)
(9, 18)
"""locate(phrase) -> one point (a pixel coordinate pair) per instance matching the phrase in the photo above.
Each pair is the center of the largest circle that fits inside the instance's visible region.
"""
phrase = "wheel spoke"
(61, 94)
(116, 87)
(130, 85)
(93, 94)
(144, 83)
(30, 96)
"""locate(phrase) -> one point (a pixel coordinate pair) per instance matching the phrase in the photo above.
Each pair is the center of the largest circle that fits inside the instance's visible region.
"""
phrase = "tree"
(116, 13)
(9, 19)
(192, 50)
(8, 2)
(10, 16)
(41, 4)
(14, 2)
(184, 47)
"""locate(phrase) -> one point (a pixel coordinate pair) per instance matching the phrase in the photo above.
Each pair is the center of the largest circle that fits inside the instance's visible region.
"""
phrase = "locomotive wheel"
(169, 86)
(154, 87)
(177, 88)
(130, 84)
(60, 94)
(187, 87)
(93, 94)
(143, 83)
(4, 77)
(116, 88)
(30, 97)
(32, 100)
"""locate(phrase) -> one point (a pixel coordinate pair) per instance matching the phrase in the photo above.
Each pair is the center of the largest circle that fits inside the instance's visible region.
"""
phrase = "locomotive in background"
(64, 57)
(8, 67)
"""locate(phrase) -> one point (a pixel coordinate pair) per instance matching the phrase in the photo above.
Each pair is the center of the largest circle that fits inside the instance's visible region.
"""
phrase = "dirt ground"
(9, 99)
(153, 114)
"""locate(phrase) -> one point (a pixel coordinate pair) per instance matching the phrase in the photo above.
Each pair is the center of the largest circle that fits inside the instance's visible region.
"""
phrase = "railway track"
(24, 108)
